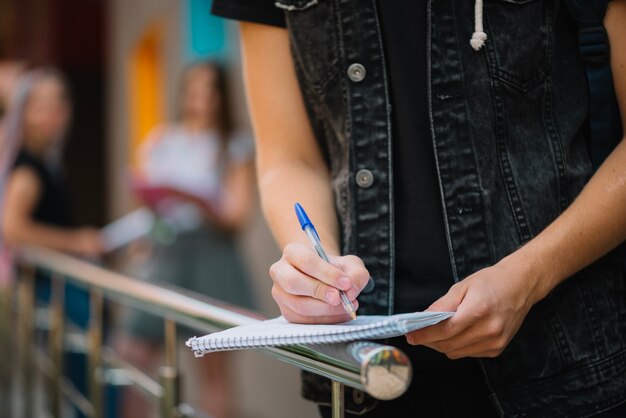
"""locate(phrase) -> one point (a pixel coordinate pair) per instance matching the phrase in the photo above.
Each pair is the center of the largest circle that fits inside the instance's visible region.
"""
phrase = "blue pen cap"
(302, 217)
(304, 220)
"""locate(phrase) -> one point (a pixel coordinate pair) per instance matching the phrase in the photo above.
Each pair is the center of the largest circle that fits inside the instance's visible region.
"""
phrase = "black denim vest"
(508, 135)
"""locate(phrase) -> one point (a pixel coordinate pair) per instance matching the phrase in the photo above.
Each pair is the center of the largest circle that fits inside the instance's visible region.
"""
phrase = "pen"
(309, 229)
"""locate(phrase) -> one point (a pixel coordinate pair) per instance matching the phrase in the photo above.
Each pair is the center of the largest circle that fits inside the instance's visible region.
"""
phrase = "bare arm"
(596, 222)
(490, 310)
(19, 228)
(238, 197)
(290, 166)
(291, 169)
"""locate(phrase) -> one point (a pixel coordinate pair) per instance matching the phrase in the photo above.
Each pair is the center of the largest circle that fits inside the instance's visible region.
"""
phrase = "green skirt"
(204, 260)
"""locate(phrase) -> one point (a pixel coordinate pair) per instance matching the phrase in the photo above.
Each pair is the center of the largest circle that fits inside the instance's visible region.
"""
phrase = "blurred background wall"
(70, 34)
(123, 59)
(155, 39)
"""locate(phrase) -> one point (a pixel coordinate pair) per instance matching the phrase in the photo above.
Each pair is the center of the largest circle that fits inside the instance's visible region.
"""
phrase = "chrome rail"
(382, 371)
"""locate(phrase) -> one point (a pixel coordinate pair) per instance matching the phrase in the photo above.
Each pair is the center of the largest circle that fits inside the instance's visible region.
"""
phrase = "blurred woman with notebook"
(196, 174)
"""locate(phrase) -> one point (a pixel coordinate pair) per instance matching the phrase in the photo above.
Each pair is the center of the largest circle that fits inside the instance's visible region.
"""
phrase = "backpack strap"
(593, 42)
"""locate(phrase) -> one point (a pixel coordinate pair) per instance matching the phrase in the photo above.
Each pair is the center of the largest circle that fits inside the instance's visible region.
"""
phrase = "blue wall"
(204, 35)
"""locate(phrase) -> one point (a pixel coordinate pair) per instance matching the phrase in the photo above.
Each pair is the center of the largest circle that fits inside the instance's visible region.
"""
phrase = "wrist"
(73, 241)
(535, 269)
(76, 240)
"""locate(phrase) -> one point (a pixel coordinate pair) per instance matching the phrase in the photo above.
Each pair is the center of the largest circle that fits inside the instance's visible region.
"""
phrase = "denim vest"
(511, 151)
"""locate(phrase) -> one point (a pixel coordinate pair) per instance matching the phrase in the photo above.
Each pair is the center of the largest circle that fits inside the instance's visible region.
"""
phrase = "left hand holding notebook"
(489, 311)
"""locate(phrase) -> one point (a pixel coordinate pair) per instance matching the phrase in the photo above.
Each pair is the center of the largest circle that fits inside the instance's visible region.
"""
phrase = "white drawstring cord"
(479, 36)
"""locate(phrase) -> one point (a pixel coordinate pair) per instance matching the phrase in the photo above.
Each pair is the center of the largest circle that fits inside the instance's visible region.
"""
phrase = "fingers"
(308, 262)
(88, 242)
(355, 269)
(307, 288)
(292, 316)
(476, 339)
(451, 300)
(306, 306)
(442, 331)
(474, 331)
(445, 330)
(475, 342)
(295, 282)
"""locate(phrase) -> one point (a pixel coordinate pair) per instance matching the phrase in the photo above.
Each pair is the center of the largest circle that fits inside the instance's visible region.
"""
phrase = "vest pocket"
(314, 39)
(518, 44)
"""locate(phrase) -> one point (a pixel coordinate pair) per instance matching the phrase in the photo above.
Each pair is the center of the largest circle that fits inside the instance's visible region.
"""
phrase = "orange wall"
(146, 84)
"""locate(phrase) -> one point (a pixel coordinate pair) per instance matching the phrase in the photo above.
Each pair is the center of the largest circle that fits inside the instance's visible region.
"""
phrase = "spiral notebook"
(279, 332)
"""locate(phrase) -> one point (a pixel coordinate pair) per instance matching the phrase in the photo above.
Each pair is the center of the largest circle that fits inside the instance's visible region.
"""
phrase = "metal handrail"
(382, 371)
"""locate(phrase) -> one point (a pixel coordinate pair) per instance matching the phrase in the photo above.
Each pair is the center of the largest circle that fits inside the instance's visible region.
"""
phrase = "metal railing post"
(55, 345)
(26, 349)
(6, 349)
(337, 400)
(95, 352)
(383, 372)
(169, 373)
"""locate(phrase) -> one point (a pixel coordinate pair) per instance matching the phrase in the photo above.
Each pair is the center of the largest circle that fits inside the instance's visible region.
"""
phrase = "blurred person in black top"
(10, 73)
(35, 196)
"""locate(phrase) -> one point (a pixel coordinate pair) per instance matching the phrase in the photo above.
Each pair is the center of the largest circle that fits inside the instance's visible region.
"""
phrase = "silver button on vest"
(356, 72)
(364, 178)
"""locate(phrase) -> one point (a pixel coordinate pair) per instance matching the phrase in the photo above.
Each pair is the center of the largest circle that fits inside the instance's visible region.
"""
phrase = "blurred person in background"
(10, 71)
(197, 175)
(35, 196)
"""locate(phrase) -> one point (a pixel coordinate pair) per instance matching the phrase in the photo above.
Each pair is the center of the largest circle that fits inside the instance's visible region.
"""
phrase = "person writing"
(441, 148)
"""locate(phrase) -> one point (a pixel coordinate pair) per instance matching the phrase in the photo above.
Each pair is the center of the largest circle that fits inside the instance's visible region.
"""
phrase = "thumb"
(355, 269)
(451, 300)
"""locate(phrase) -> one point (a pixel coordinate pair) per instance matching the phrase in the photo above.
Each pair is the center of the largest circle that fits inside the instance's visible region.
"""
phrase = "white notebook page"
(277, 332)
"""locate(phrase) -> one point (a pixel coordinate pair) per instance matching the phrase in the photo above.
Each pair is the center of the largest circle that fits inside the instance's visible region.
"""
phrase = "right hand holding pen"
(306, 287)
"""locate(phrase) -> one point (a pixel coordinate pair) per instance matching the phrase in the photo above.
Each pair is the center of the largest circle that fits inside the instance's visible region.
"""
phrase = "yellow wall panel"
(146, 85)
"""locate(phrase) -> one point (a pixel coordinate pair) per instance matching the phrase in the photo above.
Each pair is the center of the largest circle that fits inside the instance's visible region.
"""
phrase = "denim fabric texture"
(508, 132)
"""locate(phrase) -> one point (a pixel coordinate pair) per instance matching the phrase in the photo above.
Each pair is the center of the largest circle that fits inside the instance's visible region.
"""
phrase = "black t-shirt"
(423, 269)
(53, 206)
